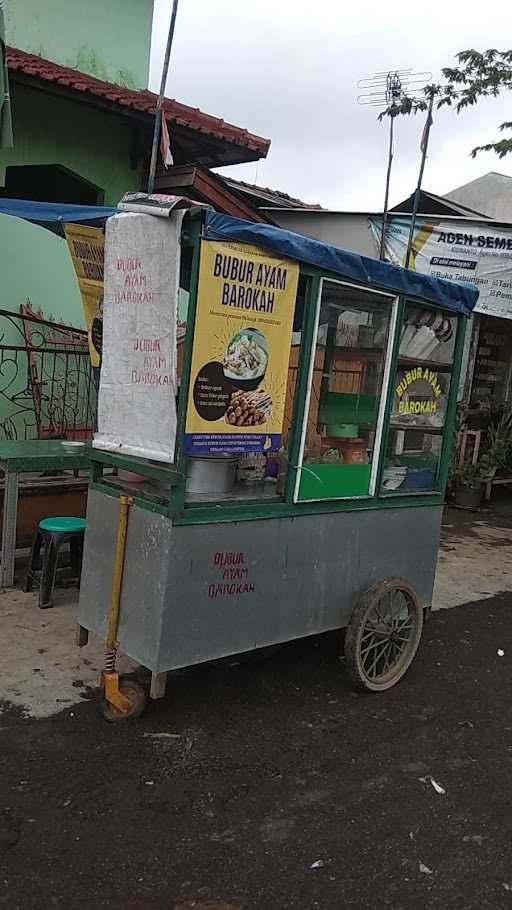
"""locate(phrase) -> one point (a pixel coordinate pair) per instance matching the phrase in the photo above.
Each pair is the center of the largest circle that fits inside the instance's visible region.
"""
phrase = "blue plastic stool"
(51, 535)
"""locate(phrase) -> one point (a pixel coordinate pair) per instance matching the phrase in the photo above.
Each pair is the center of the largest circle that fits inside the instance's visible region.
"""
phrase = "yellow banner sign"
(87, 248)
(244, 322)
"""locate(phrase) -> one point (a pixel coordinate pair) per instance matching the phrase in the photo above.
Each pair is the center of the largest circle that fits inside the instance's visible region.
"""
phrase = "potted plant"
(467, 479)
(467, 484)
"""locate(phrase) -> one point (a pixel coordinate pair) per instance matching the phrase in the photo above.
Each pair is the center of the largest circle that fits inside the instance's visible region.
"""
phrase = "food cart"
(303, 492)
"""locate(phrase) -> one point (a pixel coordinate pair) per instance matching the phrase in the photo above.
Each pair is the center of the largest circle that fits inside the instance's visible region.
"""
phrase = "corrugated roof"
(437, 205)
(142, 101)
(267, 195)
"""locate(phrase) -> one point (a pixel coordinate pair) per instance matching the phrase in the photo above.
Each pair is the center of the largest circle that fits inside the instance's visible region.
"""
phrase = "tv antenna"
(387, 90)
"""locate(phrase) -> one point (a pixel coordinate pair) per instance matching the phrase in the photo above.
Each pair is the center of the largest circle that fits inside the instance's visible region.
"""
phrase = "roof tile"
(142, 101)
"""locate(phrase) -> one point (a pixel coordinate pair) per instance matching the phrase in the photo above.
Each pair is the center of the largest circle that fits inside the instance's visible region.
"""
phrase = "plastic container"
(343, 430)
(352, 450)
(419, 479)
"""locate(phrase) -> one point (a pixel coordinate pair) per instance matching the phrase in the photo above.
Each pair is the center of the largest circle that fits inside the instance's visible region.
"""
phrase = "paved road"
(276, 766)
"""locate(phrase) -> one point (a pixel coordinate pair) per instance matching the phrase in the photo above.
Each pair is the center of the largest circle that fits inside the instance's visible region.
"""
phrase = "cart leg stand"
(158, 683)
(9, 529)
(82, 636)
(123, 699)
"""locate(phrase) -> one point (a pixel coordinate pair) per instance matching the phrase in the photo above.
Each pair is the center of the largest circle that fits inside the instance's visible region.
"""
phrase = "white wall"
(350, 231)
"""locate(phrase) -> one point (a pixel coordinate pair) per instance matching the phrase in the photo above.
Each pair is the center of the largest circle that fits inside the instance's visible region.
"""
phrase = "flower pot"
(468, 498)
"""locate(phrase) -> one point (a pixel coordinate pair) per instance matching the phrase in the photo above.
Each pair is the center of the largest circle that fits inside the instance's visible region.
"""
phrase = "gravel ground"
(266, 783)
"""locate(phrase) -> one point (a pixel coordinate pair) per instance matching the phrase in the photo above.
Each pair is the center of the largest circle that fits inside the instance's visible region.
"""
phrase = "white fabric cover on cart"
(137, 400)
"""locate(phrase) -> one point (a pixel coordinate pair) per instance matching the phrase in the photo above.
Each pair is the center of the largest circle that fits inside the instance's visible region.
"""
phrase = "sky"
(288, 71)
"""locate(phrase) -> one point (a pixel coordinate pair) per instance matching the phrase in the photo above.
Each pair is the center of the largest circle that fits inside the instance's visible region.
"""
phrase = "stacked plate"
(393, 477)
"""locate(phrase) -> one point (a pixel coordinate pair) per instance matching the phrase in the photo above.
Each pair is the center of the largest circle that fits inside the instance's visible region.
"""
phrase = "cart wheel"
(383, 635)
(137, 697)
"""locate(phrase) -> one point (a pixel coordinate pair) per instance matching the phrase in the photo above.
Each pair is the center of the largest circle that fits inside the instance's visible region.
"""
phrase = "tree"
(478, 75)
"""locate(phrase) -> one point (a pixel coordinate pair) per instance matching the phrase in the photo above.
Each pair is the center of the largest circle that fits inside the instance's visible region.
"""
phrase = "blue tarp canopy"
(53, 215)
(451, 295)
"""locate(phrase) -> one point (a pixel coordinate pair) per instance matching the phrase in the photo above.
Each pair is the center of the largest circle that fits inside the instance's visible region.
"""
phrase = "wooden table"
(36, 456)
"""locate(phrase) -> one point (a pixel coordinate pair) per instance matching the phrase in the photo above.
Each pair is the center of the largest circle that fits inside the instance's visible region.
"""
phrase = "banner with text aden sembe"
(243, 330)
(471, 252)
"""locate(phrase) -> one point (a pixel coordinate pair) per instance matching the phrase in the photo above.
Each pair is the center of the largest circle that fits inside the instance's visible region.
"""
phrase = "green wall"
(109, 39)
(34, 263)
(36, 266)
(90, 143)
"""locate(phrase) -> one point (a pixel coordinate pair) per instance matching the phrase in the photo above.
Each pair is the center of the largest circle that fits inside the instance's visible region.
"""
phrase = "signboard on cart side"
(241, 352)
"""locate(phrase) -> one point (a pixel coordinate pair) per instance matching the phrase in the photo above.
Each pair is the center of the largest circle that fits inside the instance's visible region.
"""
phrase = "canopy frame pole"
(159, 105)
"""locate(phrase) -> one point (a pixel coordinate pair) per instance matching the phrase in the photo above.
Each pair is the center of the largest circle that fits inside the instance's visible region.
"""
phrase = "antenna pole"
(386, 196)
(161, 96)
(417, 192)
(388, 90)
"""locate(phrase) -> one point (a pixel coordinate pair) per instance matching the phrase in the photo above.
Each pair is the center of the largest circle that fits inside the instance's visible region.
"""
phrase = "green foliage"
(497, 451)
(467, 475)
(499, 439)
(479, 75)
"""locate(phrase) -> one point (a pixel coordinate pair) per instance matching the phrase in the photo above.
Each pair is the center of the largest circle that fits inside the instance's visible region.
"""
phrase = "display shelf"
(360, 353)
(427, 364)
(423, 428)
(376, 354)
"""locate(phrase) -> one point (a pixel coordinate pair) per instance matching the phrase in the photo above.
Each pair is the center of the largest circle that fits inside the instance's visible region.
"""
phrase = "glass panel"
(420, 397)
(412, 462)
(428, 336)
(421, 392)
(493, 362)
(348, 369)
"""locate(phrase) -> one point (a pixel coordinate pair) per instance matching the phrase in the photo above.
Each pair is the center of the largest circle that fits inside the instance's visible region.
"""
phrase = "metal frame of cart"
(360, 556)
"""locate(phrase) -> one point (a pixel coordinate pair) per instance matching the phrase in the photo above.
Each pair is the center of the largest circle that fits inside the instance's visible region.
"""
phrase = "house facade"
(83, 121)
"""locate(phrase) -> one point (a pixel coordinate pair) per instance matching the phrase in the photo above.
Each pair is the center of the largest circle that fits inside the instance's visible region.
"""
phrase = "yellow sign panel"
(87, 248)
(244, 321)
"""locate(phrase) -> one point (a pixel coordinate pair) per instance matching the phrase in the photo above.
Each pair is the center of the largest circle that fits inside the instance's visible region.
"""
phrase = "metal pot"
(211, 474)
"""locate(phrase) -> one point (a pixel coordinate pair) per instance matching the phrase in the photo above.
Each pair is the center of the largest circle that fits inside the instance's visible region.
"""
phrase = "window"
(421, 390)
(345, 407)
(492, 376)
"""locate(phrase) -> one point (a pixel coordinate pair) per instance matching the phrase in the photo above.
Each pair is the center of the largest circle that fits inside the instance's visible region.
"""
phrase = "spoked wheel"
(383, 635)
(136, 695)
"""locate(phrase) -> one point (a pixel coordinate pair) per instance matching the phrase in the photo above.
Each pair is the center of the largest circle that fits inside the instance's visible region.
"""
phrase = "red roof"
(142, 101)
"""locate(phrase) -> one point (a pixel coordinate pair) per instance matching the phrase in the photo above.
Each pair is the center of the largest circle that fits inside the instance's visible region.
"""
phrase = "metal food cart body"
(298, 577)
(203, 580)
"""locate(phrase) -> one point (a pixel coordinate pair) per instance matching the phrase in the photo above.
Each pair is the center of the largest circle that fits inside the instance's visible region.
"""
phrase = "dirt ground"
(264, 782)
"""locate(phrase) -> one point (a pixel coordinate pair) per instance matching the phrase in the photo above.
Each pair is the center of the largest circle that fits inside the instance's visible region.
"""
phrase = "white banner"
(137, 401)
(472, 252)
